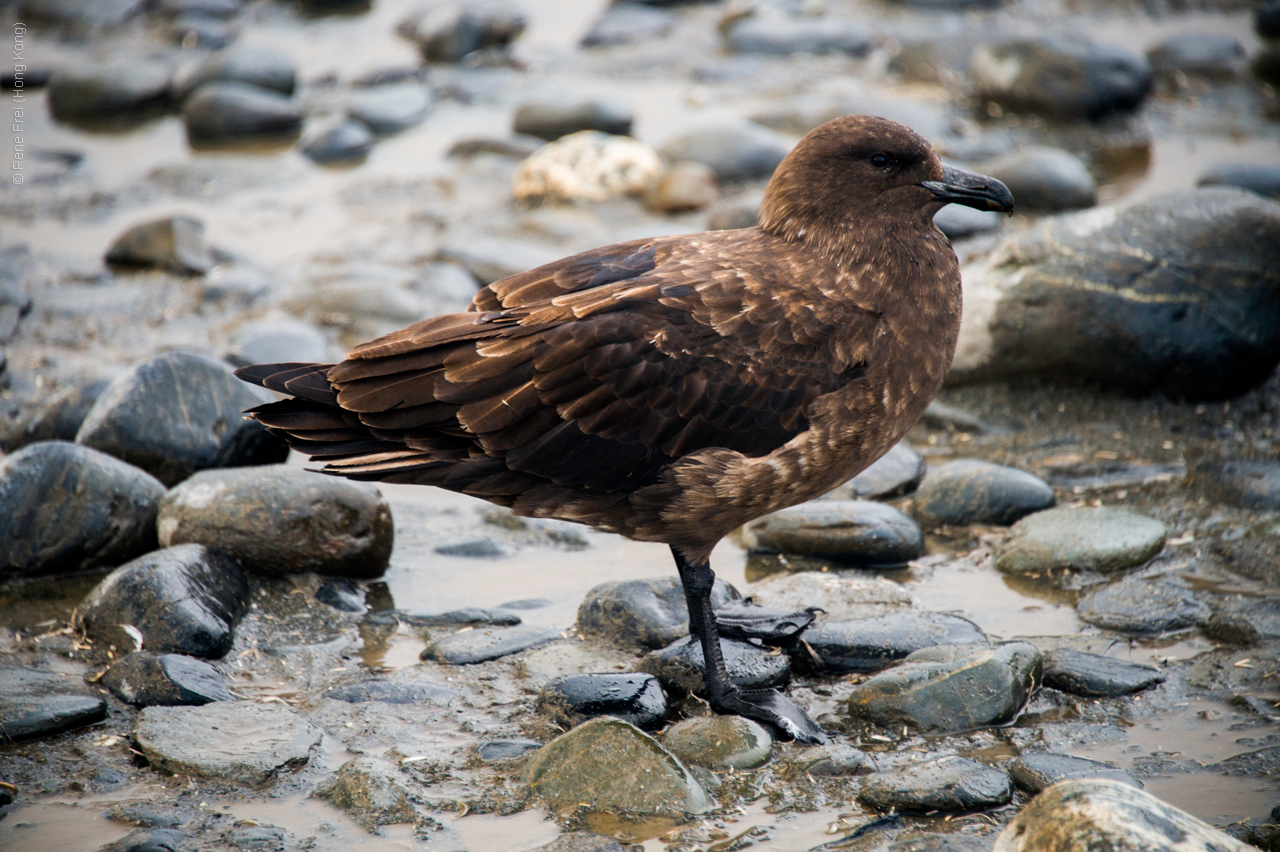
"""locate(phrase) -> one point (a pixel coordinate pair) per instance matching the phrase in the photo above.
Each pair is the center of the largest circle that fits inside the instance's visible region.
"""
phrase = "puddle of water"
(61, 825)
(1002, 606)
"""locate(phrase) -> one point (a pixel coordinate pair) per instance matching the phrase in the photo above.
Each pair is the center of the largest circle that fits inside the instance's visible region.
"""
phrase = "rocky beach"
(1050, 616)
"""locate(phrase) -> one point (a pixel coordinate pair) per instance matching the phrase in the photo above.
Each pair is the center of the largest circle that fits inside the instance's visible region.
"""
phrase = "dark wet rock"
(776, 35)
(1045, 179)
(69, 508)
(341, 594)
(1143, 606)
(736, 152)
(393, 692)
(171, 415)
(683, 187)
(80, 18)
(634, 698)
(145, 679)
(1266, 19)
(841, 597)
(551, 119)
(970, 491)
(838, 760)
(93, 94)
(1200, 322)
(490, 259)
(1113, 816)
(238, 741)
(609, 765)
(278, 341)
(1061, 76)
(221, 112)
(484, 548)
(856, 532)
(445, 281)
(1105, 539)
(262, 838)
(255, 66)
(373, 791)
(450, 31)
(681, 665)
(642, 613)
(951, 419)
(149, 840)
(502, 751)
(1242, 482)
(950, 687)
(1096, 474)
(482, 645)
(871, 644)
(390, 109)
(954, 784)
(516, 148)
(175, 243)
(582, 841)
(346, 143)
(1034, 772)
(184, 599)
(894, 474)
(719, 742)
(1215, 56)
(473, 616)
(281, 520)
(36, 704)
(959, 222)
(1090, 674)
(1262, 178)
(628, 23)
(1249, 622)
(60, 417)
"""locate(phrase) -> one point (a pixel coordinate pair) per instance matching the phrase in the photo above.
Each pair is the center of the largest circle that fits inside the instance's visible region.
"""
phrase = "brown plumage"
(672, 389)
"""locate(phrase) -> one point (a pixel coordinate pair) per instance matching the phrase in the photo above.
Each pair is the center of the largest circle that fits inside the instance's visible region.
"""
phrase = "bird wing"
(597, 371)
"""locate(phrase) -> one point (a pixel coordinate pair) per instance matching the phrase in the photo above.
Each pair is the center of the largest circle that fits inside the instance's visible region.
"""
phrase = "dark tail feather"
(308, 381)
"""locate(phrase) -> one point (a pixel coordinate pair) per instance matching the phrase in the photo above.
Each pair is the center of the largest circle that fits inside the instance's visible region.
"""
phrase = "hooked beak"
(971, 190)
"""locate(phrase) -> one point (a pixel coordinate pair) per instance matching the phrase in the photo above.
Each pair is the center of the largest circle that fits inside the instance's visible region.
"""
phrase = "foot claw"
(745, 620)
(773, 708)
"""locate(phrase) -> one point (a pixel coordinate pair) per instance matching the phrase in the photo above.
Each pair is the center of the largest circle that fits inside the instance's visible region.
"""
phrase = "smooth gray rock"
(951, 419)
(681, 665)
(174, 414)
(959, 222)
(79, 19)
(490, 259)
(649, 613)
(278, 341)
(837, 760)
(736, 152)
(66, 508)
(872, 644)
(484, 548)
(346, 143)
(1201, 322)
(228, 112)
(971, 491)
(629, 23)
(1105, 814)
(237, 741)
(1061, 76)
(373, 790)
(390, 109)
(1045, 179)
(1090, 674)
(1247, 483)
(175, 243)
(611, 766)
(36, 704)
(483, 645)
(280, 520)
(145, 680)
(856, 532)
(954, 784)
(255, 66)
(950, 688)
(502, 751)
(185, 599)
(776, 35)
(1214, 56)
(393, 692)
(59, 418)
(631, 697)
(719, 742)
(514, 148)
(735, 214)
(1142, 606)
(551, 119)
(896, 473)
(92, 94)
(1035, 772)
(1105, 539)
(450, 31)
(582, 841)
(1262, 178)
(683, 187)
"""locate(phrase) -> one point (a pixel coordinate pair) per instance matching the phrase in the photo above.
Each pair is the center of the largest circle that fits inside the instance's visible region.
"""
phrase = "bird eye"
(879, 160)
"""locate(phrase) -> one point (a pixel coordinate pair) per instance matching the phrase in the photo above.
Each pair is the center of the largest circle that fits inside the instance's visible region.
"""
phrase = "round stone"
(1080, 538)
(735, 152)
(720, 742)
(857, 532)
(256, 66)
(347, 143)
(970, 491)
(1045, 179)
(946, 784)
(1143, 607)
(632, 697)
(92, 93)
(221, 112)
(548, 119)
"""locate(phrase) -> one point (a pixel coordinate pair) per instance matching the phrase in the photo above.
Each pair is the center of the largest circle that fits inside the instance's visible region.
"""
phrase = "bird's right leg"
(763, 705)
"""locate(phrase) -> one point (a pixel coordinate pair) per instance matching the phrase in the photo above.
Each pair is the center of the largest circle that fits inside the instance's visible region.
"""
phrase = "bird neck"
(874, 233)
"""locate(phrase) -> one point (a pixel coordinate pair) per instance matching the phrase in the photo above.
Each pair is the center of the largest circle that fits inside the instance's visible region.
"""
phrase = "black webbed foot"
(745, 620)
(773, 708)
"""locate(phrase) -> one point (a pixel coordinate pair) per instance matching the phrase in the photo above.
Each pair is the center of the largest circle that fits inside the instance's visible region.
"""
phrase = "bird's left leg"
(763, 705)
